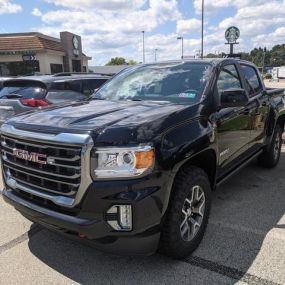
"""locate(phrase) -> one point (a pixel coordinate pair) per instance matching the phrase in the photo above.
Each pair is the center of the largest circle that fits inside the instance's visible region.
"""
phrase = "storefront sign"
(75, 42)
(29, 57)
(232, 34)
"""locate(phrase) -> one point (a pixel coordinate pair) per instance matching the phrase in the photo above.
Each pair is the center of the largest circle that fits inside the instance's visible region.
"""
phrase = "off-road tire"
(171, 243)
(270, 156)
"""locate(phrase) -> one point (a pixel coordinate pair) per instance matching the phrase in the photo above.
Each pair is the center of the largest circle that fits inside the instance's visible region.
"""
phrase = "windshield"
(25, 92)
(179, 83)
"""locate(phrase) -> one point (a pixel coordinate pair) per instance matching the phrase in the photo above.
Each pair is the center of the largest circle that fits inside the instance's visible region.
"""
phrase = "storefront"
(30, 53)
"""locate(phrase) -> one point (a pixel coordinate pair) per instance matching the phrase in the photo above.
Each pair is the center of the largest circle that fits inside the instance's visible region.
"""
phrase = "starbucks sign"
(232, 34)
(75, 42)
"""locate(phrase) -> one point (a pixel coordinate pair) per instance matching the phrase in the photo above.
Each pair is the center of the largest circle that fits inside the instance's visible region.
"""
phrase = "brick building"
(29, 53)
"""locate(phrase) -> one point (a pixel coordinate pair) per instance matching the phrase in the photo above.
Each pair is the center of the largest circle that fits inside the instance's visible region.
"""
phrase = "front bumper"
(148, 197)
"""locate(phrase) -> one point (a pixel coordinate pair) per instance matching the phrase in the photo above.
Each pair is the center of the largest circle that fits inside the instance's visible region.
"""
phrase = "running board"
(239, 168)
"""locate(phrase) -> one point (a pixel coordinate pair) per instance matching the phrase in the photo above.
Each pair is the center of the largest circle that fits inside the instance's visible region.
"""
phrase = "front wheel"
(270, 157)
(187, 214)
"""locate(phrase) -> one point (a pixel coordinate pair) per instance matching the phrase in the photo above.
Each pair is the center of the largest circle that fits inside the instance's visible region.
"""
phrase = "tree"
(117, 61)
(132, 62)
(121, 61)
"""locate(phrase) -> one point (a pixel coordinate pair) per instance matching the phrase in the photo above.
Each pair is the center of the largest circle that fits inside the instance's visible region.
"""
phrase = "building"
(107, 69)
(29, 53)
(278, 72)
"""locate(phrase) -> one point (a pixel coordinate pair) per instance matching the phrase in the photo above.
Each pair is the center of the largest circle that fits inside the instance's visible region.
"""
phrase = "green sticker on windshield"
(189, 95)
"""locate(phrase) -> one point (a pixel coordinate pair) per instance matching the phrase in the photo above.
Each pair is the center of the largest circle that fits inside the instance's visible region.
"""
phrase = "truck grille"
(60, 175)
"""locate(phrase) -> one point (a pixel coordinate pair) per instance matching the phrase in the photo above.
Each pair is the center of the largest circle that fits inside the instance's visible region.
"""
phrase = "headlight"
(122, 162)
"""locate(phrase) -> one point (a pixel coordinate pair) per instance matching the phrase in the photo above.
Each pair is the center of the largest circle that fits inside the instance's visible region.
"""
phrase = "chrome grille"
(61, 175)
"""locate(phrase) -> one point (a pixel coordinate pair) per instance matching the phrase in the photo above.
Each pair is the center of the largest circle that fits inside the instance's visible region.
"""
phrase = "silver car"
(27, 93)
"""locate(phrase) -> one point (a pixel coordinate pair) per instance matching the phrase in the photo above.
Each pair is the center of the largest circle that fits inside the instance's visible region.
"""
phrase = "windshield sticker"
(190, 95)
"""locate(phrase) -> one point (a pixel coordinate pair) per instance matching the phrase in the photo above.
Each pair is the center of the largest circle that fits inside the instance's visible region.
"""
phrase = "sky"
(111, 28)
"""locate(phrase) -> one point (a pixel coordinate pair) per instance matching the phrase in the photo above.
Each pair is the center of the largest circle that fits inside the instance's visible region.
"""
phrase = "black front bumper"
(89, 224)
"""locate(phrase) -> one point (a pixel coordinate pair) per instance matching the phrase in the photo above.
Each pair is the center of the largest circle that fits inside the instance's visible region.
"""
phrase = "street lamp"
(155, 55)
(182, 41)
(143, 47)
(202, 40)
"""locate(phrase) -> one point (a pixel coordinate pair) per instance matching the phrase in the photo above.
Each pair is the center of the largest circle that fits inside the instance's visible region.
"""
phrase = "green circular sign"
(232, 34)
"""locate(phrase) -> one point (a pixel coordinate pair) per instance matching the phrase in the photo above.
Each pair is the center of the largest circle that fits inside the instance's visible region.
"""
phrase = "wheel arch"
(206, 160)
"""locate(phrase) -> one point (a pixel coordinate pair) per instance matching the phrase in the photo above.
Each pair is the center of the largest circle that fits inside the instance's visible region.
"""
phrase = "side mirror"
(233, 98)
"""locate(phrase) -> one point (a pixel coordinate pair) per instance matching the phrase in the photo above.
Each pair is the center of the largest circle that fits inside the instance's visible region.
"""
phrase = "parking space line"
(228, 271)
(12, 243)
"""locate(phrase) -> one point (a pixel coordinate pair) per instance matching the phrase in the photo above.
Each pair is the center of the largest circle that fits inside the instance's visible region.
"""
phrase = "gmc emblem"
(30, 156)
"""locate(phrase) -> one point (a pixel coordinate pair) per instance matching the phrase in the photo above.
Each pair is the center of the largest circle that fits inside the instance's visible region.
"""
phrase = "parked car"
(132, 170)
(27, 93)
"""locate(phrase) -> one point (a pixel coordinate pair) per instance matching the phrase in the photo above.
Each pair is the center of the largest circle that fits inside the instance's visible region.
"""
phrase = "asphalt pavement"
(244, 244)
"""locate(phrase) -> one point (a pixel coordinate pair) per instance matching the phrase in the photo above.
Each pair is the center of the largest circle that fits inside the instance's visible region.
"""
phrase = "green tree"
(117, 61)
(132, 62)
(278, 55)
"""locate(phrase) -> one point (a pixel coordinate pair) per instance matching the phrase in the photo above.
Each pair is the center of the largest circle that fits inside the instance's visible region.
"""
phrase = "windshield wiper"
(134, 99)
(13, 96)
(96, 98)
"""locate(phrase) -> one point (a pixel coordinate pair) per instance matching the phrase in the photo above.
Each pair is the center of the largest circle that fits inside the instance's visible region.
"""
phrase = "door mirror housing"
(233, 98)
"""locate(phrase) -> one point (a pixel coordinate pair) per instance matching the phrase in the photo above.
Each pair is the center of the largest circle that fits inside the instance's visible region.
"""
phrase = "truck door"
(233, 124)
(258, 106)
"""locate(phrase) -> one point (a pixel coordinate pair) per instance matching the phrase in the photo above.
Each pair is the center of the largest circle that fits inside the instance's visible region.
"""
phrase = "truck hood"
(97, 116)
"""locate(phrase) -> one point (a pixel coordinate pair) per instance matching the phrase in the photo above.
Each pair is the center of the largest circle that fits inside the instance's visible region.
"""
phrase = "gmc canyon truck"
(131, 170)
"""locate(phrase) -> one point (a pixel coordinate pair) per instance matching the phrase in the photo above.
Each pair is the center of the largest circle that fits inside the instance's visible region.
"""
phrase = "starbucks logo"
(232, 34)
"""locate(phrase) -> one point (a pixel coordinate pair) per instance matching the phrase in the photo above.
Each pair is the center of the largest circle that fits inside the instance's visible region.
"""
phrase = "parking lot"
(244, 244)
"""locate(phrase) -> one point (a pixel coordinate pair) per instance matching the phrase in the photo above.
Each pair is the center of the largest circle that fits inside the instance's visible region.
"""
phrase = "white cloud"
(188, 26)
(36, 12)
(100, 4)
(113, 28)
(8, 7)
(213, 6)
(271, 39)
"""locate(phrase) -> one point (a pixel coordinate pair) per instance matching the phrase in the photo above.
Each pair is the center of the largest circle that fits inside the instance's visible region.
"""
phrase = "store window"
(56, 68)
(16, 68)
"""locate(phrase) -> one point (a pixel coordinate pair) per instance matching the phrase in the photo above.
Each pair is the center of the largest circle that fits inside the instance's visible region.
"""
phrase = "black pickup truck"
(131, 170)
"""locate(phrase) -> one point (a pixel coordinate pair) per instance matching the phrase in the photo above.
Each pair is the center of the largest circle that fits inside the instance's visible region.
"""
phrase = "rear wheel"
(187, 214)
(270, 157)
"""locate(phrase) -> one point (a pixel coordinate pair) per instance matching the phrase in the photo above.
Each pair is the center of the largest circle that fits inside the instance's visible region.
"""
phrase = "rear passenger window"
(90, 85)
(228, 79)
(253, 84)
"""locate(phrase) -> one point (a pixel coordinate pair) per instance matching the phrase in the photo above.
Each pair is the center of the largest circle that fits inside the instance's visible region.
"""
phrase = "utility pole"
(143, 47)
(155, 55)
(202, 40)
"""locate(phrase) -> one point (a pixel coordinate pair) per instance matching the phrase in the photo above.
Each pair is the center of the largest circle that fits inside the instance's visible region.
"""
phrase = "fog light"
(119, 217)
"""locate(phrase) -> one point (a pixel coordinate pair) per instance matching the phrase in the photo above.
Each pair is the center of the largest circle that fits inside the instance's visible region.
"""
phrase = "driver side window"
(228, 79)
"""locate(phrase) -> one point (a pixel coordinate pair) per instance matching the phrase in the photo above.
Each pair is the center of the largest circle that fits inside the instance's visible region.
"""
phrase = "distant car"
(24, 94)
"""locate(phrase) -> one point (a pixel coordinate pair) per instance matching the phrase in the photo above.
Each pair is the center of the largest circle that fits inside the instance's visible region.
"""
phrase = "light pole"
(182, 41)
(263, 60)
(202, 40)
(143, 47)
(155, 55)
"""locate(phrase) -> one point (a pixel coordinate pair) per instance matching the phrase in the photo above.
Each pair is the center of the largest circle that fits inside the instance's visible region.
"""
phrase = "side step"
(237, 169)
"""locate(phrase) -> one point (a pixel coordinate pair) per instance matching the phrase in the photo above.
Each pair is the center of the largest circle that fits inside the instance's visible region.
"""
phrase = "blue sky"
(112, 28)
